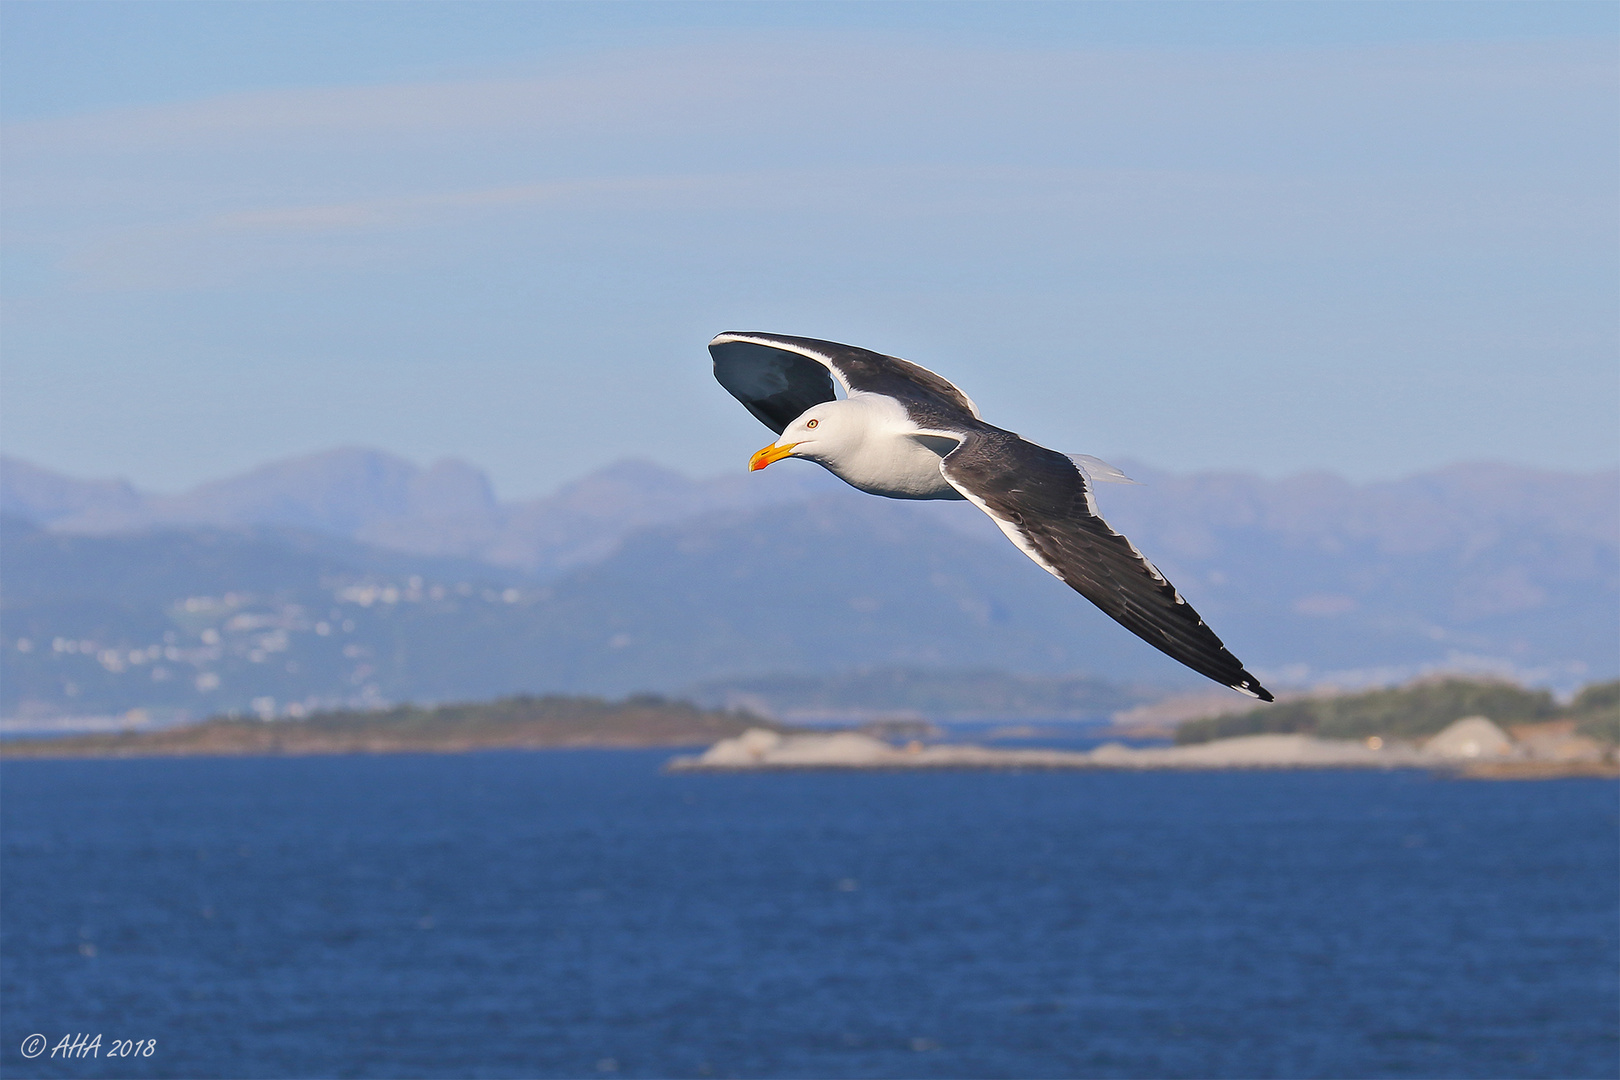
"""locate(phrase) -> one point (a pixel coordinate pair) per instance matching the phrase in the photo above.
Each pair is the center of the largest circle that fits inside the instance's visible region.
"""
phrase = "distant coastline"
(530, 723)
(1441, 724)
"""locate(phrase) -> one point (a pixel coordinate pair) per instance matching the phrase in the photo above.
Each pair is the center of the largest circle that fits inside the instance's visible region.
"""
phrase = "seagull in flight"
(903, 432)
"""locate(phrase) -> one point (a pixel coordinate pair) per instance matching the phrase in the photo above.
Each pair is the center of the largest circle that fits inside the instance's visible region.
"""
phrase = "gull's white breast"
(893, 459)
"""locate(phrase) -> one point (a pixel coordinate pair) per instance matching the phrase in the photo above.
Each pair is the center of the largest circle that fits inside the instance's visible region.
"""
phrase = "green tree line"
(1417, 710)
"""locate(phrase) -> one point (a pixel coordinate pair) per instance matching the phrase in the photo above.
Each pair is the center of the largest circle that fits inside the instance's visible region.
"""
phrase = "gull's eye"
(811, 423)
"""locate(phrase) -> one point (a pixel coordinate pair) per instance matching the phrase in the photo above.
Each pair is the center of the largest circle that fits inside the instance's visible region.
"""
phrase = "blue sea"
(582, 914)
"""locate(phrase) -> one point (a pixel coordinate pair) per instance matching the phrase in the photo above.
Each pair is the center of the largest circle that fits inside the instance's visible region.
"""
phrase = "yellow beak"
(769, 454)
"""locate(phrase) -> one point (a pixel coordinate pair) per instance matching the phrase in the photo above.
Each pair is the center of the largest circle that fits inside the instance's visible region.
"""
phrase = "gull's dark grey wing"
(775, 385)
(1042, 502)
(772, 373)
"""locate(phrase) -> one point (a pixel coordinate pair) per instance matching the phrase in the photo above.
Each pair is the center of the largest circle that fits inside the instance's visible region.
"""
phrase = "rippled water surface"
(582, 914)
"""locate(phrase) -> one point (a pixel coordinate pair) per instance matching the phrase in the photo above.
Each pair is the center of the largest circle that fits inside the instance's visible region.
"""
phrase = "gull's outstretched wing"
(1043, 503)
(776, 385)
(778, 377)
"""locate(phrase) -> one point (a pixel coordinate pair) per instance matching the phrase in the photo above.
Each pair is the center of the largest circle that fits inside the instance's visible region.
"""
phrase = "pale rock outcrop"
(759, 749)
(1472, 737)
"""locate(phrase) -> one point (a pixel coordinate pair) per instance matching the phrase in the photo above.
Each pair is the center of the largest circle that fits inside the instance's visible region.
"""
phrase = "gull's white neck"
(881, 451)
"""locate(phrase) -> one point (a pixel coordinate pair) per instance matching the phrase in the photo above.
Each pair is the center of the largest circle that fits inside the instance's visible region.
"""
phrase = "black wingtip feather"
(1249, 686)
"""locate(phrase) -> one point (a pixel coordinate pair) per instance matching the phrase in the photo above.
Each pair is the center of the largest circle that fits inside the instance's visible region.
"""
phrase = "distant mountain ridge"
(1480, 566)
(448, 508)
(638, 579)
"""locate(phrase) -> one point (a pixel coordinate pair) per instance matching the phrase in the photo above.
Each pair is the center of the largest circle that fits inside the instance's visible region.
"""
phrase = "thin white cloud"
(838, 124)
(1146, 212)
(414, 210)
(784, 90)
(821, 117)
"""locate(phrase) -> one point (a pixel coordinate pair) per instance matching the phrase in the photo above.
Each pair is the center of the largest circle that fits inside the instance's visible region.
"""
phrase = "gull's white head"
(824, 433)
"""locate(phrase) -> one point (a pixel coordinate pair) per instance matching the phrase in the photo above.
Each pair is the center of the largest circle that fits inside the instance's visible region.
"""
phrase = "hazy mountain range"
(355, 576)
(376, 498)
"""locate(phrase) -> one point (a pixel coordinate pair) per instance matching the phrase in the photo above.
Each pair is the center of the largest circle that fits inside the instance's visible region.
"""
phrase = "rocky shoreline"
(1472, 747)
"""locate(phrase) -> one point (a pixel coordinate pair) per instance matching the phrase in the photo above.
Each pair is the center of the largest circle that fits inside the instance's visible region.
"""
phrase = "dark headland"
(506, 724)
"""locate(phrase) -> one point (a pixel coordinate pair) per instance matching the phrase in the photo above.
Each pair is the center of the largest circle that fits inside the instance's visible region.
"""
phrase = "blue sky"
(1367, 238)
